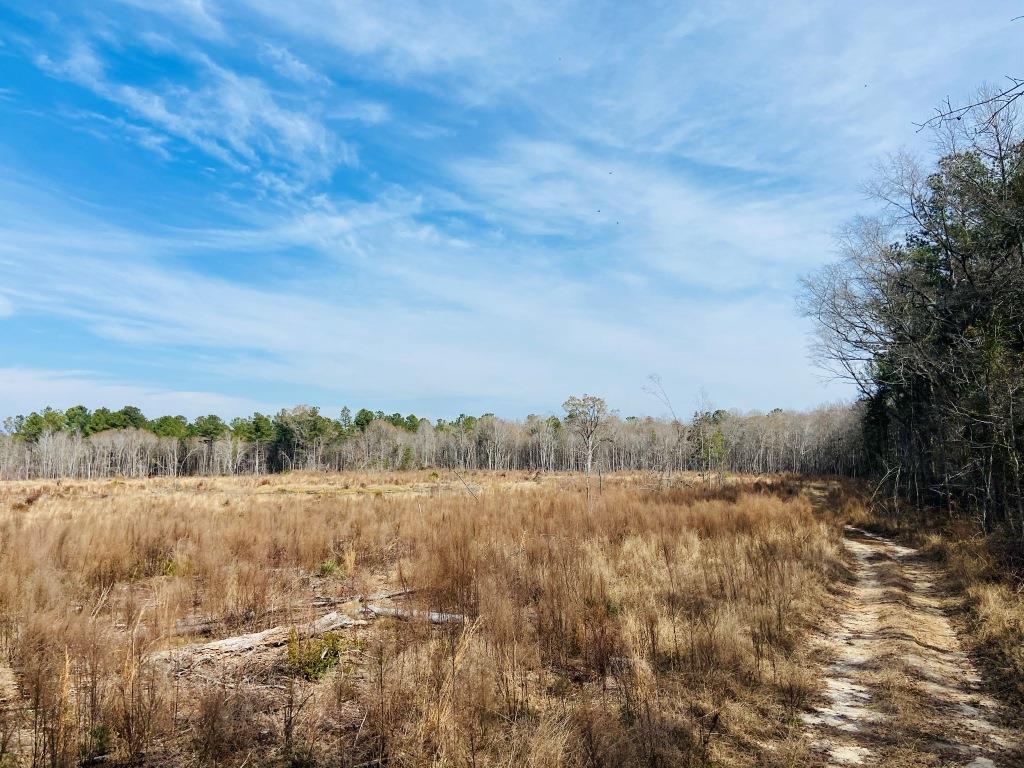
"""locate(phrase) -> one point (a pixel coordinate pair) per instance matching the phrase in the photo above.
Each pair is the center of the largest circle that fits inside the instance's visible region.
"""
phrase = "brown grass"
(994, 598)
(635, 624)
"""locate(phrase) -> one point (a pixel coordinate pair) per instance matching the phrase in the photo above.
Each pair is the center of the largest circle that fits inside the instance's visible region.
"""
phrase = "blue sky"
(225, 205)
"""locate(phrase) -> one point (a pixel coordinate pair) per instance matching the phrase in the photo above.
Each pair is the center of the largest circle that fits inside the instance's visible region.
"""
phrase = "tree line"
(587, 437)
(925, 312)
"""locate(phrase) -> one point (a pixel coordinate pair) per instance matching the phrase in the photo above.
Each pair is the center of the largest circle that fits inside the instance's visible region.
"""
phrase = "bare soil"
(899, 689)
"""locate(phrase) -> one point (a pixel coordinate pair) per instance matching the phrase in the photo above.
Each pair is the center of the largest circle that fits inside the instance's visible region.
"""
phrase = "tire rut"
(900, 690)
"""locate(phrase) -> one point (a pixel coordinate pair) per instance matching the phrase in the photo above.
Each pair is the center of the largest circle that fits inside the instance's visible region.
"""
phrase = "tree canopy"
(925, 312)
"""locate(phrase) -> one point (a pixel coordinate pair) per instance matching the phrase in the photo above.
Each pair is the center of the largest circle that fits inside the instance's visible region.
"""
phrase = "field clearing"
(428, 618)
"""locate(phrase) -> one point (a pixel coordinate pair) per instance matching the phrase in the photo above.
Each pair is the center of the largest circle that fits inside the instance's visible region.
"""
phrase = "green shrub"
(327, 568)
(314, 657)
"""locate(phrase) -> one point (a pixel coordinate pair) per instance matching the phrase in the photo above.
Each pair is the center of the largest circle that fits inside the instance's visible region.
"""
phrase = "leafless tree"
(587, 417)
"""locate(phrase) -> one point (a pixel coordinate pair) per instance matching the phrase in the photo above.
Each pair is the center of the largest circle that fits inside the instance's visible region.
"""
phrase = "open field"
(427, 618)
(500, 385)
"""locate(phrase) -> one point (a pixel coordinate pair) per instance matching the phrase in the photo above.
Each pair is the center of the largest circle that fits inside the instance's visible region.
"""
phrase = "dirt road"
(899, 690)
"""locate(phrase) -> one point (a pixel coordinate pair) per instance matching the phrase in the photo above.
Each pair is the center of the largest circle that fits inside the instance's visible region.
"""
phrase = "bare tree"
(587, 417)
(680, 431)
(995, 99)
(590, 438)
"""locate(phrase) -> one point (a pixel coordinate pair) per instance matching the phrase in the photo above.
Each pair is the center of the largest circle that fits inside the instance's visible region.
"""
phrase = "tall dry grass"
(635, 623)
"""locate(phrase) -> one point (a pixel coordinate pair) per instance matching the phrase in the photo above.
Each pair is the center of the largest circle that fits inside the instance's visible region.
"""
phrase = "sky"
(444, 207)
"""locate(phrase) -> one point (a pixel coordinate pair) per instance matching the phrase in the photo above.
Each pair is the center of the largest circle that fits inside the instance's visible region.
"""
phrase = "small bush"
(315, 657)
(327, 568)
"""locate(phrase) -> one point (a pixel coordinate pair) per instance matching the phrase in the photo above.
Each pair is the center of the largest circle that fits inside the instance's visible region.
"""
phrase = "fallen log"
(386, 595)
(207, 626)
(202, 627)
(434, 617)
(326, 600)
(268, 638)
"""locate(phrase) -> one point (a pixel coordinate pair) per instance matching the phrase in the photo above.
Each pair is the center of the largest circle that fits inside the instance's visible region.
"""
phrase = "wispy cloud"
(286, 64)
(413, 38)
(198, 15)
(624, 208)
(434, 324)
(231, 117)
(449, 203)
(115, 129)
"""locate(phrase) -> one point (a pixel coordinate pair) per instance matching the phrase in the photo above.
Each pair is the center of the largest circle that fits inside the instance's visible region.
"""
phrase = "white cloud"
(425, 319)
(782, 87)
(6, 307)
(23, 390)
(642, 215)
(369, 112)
(407, 38)
(116, 129)
(231, 117)
(198, 15)
(286, 64)
(651, 179)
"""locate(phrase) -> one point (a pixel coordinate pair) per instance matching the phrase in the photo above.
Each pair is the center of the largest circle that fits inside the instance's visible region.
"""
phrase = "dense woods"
(79, 443)
(925, 312)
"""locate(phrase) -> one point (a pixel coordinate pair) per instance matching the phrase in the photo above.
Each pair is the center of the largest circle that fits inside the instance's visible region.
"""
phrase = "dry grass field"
(491, 619)
(412, 619)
